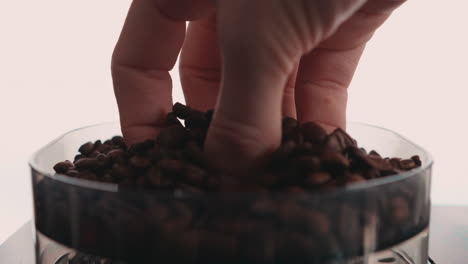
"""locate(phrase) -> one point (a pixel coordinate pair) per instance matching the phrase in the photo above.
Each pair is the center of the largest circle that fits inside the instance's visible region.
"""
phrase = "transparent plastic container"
(384, 220)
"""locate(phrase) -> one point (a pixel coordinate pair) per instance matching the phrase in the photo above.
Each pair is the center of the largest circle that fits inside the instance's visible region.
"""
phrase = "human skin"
(254, 61)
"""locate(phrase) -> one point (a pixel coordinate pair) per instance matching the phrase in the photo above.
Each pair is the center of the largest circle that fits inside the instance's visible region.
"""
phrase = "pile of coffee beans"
(173, 206)
(308, 160)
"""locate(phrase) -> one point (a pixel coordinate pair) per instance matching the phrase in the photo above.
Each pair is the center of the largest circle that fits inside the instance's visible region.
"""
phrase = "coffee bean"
(379, 163)
(209, 115)
(289, 126)
(143, 147)
(72, 173)
(283, 152)
(87, 175)
(334, 162)
(62, 167)
(400, 210)
(154, 176)
(172, 137)
(118, 141)
(114, 154)
(313, 132)
(88, 164)
(121, 171)
(77, 157)
(194, 174)
(316, 222)
(338, 141)
(181, 111)
(317, 178)
(107, 178)
(417, 160)
(263, 208)
(86, 148)
(186, 189)
(407, 164)
(305, 164)
(140, 162)
(171, 120)
(354, 178)
(196, 119)
(94, 154)
(197, 135)
(171, 166)
(103, 148)
(395, 162)
(374, 153)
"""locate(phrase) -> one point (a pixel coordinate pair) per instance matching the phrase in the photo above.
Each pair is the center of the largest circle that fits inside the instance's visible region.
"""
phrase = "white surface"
(54, 76)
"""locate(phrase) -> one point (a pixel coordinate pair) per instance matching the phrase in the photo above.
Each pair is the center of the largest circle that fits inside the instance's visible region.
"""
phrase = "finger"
(200, 68)
(289, 101)
(321, 86)
(257, 62)
(326, 72)
(200, 64)
(145, 53)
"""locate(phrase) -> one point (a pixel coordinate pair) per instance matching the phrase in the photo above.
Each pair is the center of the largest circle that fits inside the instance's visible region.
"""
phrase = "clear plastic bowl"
(384, 220)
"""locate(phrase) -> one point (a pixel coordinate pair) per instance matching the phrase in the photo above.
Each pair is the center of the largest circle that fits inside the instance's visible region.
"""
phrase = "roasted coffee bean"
(143, 147)
(171, 166)
(154, 176)
(294, 190)
(317, 178)
(114, 154)
(338, 141)
(121, 171)
(72, 173)
(289, 126)
(283, 152)
(87, 175)
(313, 132)
(354, 178)
(77, 157)
(417, 160)
(183, 190)
(181, 111)
(89, 164)
(263, 208)
(103, 148)
(118, 141)
(316, 222)
(305, 164)
(218, 248)
(400, 210)
(209, 115)
(107, 178)
(374, 153)
(395, 162)
(196, 119)
(334, 162)
(140, 162)
(94, 154)
(62, 167)
(86, 148)
(172, 137)
(407, 164)
(171, 120)
(194, 154)
(267, 179)
(194, 174)
(197, 135)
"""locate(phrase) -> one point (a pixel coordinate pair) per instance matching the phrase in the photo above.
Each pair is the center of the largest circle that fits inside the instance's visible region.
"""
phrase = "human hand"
(256, 60)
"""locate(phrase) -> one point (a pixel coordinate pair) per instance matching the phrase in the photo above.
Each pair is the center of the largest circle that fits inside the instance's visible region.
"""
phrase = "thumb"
(261, 41)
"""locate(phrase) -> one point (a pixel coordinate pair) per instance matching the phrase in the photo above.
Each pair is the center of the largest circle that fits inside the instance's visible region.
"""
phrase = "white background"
(54, 77)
